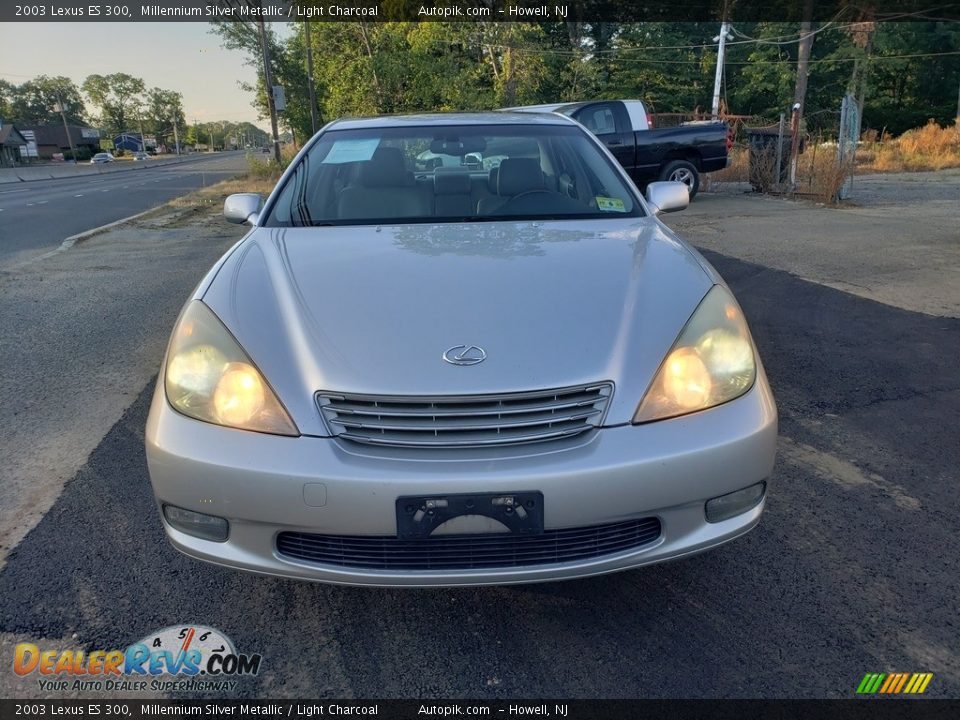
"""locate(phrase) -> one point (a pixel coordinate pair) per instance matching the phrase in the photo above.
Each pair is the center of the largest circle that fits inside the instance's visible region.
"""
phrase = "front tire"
(682, 171)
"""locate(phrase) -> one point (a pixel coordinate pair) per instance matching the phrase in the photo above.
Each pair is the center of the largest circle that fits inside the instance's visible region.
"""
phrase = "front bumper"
(266, 484)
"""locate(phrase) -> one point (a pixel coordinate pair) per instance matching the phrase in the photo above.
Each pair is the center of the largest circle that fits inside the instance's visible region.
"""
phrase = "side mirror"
(667, 197)
(243, 208)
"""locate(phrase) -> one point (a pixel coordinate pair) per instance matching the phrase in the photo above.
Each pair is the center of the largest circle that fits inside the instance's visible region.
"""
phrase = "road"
(57, 209)
(852, 569)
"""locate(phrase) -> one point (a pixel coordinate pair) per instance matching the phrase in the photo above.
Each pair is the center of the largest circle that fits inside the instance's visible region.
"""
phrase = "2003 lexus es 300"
(453, 350)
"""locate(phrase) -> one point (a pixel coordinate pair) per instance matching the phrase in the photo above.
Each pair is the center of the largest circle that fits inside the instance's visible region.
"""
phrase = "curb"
(80, 237)
(86, 234)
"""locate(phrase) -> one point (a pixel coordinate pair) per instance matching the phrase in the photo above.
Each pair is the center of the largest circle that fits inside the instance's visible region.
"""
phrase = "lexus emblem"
(465, 355)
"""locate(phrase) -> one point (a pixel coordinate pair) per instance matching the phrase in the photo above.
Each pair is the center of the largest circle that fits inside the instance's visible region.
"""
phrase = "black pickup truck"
(648, 154)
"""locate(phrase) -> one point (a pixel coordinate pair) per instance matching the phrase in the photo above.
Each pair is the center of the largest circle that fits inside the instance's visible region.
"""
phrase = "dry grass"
(931, 147)
(738, 170)
(261, 178)
(821, 175)
(217, 193)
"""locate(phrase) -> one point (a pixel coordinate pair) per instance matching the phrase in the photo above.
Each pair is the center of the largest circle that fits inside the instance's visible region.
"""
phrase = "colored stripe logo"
(894, 683)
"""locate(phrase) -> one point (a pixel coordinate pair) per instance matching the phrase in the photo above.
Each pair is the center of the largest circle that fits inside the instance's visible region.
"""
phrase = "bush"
(265, 167)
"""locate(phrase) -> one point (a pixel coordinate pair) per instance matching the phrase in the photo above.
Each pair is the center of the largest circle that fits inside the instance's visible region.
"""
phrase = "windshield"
(451, 174)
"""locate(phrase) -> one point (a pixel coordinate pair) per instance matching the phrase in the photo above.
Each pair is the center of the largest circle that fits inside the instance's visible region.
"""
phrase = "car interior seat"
(384, 189)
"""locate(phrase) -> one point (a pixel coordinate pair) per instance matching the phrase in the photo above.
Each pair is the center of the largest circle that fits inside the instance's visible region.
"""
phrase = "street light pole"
(718, 78)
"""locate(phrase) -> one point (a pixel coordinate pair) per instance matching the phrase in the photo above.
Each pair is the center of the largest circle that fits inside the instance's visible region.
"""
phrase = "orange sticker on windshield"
(607, 204)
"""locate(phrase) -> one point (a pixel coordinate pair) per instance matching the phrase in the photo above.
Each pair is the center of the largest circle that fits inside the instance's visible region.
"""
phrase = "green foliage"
(163, 108)
(35, 102)
(397, 67)
(117, 98)
(7, 91)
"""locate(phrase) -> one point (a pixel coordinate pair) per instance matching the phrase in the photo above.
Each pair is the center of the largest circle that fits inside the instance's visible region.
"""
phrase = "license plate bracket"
(419, 515)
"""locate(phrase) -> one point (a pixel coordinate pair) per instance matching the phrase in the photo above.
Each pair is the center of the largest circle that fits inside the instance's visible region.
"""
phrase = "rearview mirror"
(243, 208)
(667, 197)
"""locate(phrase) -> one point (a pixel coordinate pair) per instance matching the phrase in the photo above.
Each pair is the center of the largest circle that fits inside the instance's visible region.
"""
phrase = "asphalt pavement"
(53, 210)
(851, 570)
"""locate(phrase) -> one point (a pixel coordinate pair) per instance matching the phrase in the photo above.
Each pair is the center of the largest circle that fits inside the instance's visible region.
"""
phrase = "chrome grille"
(467, 420)
(464, 552)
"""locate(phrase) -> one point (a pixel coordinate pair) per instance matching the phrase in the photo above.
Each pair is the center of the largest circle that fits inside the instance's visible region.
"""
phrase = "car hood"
(366, 309)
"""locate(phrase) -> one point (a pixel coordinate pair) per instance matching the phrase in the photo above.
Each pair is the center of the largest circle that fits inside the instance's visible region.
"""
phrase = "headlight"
(711, 362)
(210, 378)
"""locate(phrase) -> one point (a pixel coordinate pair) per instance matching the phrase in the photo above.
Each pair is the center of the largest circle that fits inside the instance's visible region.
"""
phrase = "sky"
(181, 56)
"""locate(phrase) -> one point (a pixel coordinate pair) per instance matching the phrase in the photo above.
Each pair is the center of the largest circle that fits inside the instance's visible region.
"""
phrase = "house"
(128, 141)
(52, 139)
(10, 142)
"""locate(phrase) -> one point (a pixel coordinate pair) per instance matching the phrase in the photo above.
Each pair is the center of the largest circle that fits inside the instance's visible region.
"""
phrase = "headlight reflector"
(209, 377)
(711, 362)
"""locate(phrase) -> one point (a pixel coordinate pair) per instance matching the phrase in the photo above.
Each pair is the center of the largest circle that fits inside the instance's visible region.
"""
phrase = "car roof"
(447, 119)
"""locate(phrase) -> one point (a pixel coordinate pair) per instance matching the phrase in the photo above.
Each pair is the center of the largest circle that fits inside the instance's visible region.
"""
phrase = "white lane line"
(104, 191)
(42, 202)
(80, 195)
(29, 204)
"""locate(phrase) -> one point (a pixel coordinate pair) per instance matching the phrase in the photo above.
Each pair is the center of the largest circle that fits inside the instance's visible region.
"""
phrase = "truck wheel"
(682, 171)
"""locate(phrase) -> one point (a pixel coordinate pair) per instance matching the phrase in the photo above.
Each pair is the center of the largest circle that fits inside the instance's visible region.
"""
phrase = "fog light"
(726, 506)
(207, 527)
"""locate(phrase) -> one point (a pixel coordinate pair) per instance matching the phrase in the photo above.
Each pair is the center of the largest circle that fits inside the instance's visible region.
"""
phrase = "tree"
(117, 97)
(163, 109)
(7, 91)
(34, 102)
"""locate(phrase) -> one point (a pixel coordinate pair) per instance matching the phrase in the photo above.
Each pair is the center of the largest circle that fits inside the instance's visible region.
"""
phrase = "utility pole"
(268, 81)
(314, 121)
(143, 140)
(721, 52)
(958, 107)
(176, 136)
(63, 116)
(800, 91)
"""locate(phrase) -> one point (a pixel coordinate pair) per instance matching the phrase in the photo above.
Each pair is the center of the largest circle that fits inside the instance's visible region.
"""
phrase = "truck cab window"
(598, 120)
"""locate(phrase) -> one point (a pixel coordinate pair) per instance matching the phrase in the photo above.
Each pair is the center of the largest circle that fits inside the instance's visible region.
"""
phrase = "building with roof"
(10, 143)
(129, 141)
(52, 139)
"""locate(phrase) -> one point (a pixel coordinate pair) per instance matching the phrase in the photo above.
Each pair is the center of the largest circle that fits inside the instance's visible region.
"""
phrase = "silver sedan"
(499, 368)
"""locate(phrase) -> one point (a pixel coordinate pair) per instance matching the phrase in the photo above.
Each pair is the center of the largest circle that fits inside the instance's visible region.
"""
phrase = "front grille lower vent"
(466, 552)
(465, 421)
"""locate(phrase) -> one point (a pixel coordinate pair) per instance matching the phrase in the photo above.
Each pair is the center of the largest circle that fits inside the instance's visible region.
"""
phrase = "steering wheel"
(525, 194)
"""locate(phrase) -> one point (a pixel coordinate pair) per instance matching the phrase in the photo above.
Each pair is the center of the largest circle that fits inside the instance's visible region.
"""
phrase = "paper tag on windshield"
(607, 204)
(346, 151)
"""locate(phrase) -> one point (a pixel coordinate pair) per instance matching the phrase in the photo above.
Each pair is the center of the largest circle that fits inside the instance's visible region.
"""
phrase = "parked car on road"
(103, 157)
(458, 375)
(140, 155)
(679, 153)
